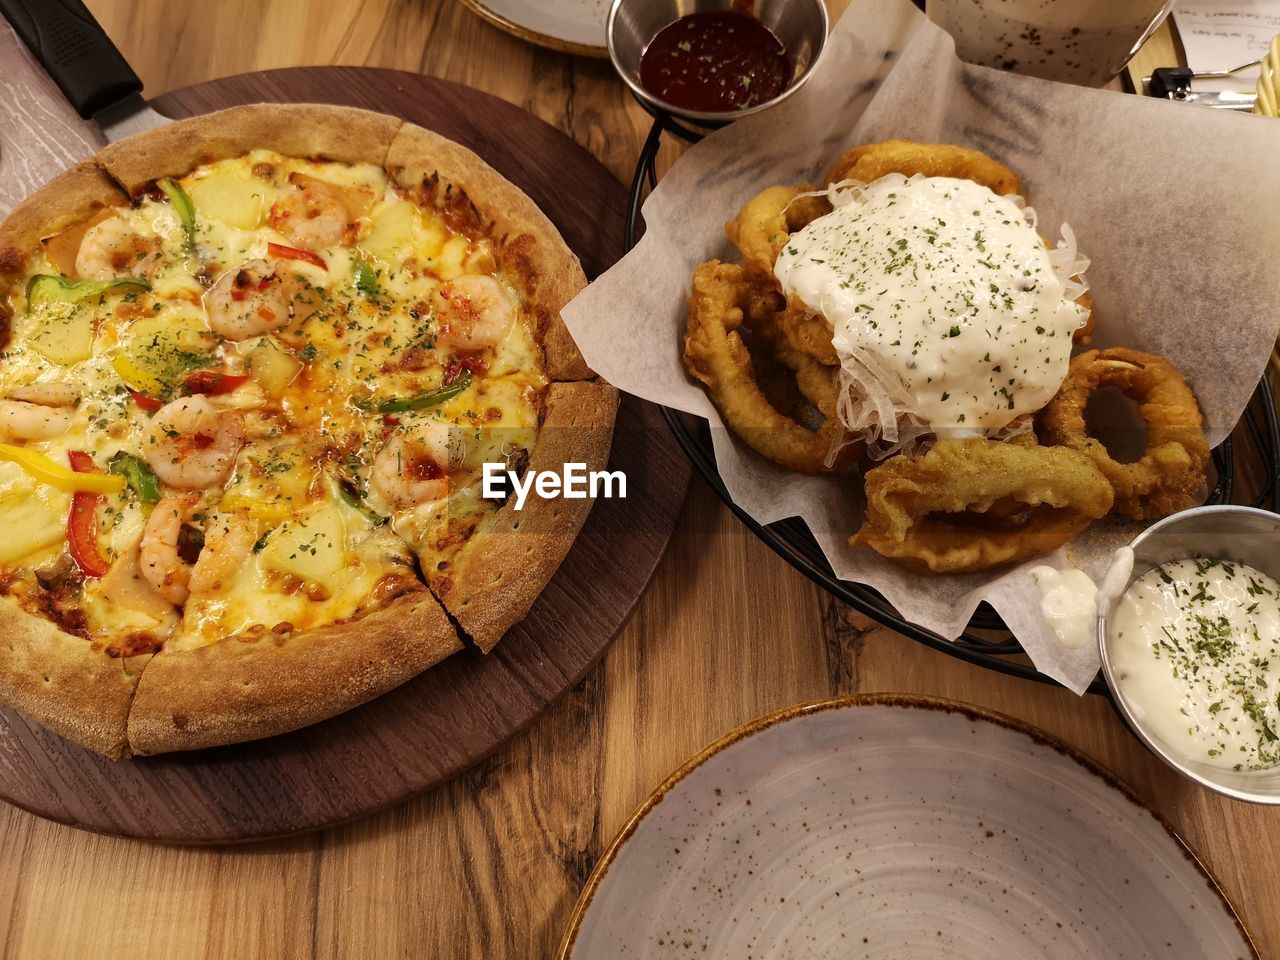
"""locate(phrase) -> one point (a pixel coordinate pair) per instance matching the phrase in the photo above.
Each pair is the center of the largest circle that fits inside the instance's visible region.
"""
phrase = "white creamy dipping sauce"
(1195, 650)
(949, 314)
(1068, 600)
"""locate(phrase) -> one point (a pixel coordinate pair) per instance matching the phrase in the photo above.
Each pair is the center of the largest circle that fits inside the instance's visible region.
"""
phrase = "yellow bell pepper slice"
(268, 511)
(56, 475)
(137, 377)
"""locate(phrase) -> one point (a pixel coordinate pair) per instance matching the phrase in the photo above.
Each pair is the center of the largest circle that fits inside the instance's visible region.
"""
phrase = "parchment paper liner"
(1178, 208)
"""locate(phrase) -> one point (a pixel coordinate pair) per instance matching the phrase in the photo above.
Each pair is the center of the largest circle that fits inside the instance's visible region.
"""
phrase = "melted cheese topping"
(946, 310)
(364, 329)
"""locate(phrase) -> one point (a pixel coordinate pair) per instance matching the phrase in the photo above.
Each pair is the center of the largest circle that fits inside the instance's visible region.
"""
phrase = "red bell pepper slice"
(212, 382)
(82, 522)
(146, 403)
(281, 252)
(470, 362)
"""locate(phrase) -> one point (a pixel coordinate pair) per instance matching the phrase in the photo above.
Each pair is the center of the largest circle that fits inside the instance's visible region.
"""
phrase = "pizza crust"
(75, 195)
(305, 130)
(494, 578)
(62, 682)
(532, 251)
(234, 691)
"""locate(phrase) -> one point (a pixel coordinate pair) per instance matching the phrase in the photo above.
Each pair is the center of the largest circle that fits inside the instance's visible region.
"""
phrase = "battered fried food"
(969, 505)
(765, 221)
(874, 160)
(808, 333)
(1170, 472)
(723, 300)
(771, 367)
(764, 315)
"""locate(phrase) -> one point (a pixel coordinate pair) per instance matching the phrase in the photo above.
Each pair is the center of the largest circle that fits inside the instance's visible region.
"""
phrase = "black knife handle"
(75, 51)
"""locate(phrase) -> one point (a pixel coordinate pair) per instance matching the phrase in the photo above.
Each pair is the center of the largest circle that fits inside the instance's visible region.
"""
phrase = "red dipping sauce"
(718, 61)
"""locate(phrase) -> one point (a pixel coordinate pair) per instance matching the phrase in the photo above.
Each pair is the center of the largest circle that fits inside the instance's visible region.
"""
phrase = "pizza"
(252, 367)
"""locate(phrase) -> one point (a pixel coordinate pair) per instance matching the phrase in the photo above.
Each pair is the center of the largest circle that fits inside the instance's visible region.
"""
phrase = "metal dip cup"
(801, 25)
(1241, 534)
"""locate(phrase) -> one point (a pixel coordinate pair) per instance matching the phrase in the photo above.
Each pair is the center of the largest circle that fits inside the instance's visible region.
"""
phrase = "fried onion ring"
(808, 332)
(762, 226)
(969, 505)
(1171, 470)
(873, 160)
(818, 383)
(722, 301)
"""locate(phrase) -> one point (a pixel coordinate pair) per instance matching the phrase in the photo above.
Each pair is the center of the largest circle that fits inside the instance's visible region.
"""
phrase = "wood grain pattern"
(1164, 49)
(489, 865)
(40, 133)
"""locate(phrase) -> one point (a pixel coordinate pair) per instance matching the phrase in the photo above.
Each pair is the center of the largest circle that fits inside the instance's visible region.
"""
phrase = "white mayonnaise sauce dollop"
(947, 311)
(1195, 650)
(1068, 600)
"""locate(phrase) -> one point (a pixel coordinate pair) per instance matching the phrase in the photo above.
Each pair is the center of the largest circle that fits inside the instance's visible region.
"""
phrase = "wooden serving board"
(456, 713)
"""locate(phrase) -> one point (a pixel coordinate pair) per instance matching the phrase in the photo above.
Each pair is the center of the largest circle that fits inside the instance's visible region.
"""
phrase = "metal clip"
(1174, 83)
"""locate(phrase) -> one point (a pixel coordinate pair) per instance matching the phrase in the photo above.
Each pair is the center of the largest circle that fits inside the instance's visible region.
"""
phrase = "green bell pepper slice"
(366, 278)
(351, 497)
(51, 289)
(137, 474)
(182, 204)
(419, 402)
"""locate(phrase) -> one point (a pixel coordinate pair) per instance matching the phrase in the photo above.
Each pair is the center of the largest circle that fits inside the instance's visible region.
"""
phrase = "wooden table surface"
(489, 865)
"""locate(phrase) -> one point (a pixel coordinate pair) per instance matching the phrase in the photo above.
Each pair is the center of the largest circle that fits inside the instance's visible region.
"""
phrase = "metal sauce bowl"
(1224, 532)
(801, 25)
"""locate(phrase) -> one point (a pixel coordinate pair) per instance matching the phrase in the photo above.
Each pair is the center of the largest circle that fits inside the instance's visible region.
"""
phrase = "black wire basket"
(1251, 453)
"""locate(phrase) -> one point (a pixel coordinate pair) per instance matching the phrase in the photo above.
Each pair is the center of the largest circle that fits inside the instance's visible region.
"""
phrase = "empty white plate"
(897, 827)
(571, 26)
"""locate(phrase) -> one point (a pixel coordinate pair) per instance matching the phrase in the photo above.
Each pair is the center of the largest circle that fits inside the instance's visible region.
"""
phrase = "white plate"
(897, 827)
(571, 26)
